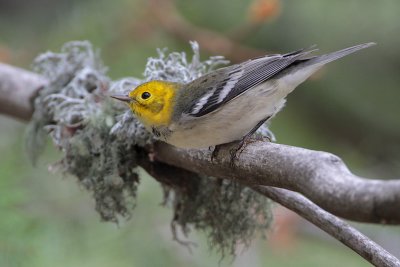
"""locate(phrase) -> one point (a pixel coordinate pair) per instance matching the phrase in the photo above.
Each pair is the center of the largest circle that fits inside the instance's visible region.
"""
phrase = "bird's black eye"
(146, 95)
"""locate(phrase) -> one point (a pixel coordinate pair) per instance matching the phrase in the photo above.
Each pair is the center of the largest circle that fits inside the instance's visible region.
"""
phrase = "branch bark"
(340, 230)
(18, 88)
(319, 176)
(335, 227)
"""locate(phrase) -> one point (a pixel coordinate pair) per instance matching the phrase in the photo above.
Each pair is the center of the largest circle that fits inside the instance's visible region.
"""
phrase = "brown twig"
(167, 17)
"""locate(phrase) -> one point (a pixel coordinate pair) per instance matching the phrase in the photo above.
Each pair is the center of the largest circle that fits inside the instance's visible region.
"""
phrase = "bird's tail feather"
(324, 59)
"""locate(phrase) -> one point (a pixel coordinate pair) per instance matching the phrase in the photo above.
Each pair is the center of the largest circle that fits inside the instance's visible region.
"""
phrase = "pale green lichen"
(98, 136)
(229, 213)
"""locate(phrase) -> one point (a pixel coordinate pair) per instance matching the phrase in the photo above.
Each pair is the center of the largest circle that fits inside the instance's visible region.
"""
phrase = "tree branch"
(165, 13)
(335, 227)
(320, 176)
(342, 231)
(18, 87)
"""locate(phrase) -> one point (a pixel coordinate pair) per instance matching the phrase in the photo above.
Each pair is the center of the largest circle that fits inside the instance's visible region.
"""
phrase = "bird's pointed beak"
(123, 98)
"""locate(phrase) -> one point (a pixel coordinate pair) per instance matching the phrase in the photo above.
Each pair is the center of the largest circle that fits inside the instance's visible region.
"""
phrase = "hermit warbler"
(228, 104)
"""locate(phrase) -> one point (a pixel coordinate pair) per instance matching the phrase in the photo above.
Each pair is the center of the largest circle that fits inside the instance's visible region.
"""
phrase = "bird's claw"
(237, 150)
(214, 154)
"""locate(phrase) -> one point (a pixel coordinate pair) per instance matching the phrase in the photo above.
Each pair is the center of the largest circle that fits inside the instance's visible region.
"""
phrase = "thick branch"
(320, 176)
(342, 231)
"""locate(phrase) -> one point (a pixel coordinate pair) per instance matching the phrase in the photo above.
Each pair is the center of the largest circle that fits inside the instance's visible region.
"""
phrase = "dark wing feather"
(237, 79)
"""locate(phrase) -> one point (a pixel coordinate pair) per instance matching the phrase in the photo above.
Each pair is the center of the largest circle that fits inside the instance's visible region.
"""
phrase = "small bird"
(228, 104)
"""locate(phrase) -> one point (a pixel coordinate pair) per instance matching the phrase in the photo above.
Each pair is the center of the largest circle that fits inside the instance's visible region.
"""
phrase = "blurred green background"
(350, 108)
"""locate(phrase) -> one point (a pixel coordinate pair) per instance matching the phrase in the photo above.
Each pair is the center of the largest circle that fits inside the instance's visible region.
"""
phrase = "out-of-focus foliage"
(350, 108)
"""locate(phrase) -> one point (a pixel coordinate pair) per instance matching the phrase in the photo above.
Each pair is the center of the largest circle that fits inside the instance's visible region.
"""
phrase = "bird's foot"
(240, 146)
(217, 148)
(214, 154)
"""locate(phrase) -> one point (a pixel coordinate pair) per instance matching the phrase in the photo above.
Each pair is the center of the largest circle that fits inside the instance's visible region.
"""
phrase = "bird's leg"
(240, 144)
(235, 152)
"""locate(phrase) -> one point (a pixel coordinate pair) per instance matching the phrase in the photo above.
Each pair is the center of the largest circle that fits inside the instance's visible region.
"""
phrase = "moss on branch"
(99, 140)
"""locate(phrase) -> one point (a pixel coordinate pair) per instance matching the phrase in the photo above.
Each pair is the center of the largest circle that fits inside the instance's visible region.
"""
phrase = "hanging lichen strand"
(97, 137)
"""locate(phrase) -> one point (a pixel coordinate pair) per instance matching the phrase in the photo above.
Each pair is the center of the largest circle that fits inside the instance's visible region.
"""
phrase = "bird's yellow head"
(152, 102)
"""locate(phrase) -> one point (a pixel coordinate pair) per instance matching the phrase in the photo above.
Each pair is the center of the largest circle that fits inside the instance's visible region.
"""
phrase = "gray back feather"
(225, 84)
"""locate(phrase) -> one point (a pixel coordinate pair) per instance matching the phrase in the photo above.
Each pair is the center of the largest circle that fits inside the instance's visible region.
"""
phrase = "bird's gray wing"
(239, 78)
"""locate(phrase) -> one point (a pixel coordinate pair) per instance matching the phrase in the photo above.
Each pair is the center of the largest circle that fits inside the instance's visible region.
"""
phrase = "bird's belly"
(230, 123)
(207, 135)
